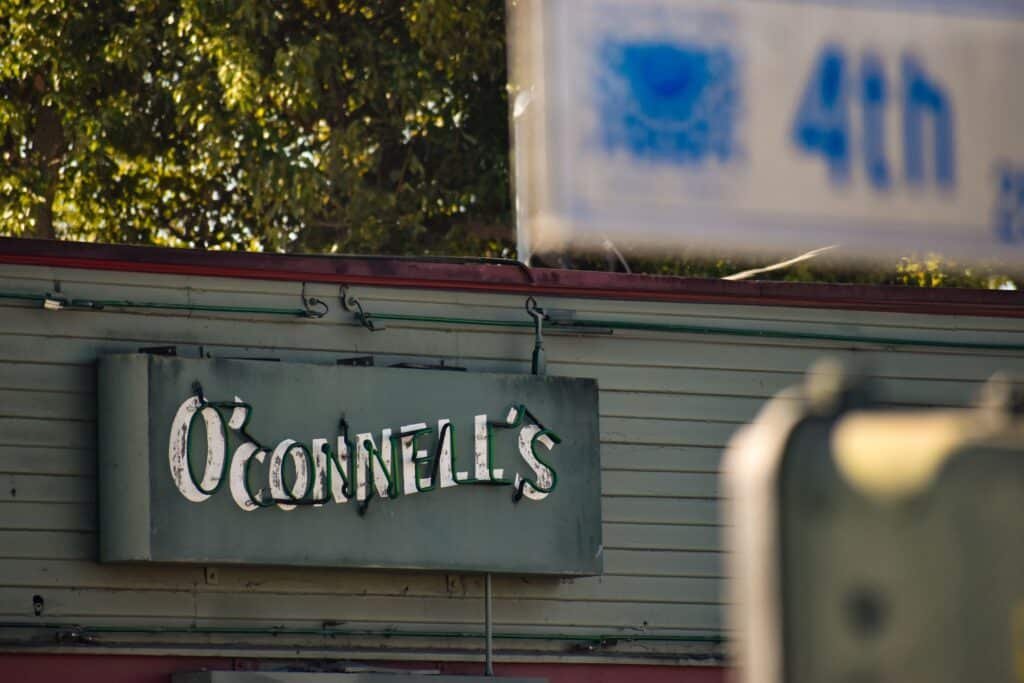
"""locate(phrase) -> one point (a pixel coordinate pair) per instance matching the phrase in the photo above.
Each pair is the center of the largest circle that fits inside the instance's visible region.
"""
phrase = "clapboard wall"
(669, 402)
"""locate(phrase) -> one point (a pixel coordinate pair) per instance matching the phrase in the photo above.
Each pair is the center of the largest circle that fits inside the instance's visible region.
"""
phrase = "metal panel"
(471, 523)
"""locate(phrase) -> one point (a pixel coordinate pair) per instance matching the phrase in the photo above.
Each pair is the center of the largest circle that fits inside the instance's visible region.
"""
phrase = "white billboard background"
(764, 125)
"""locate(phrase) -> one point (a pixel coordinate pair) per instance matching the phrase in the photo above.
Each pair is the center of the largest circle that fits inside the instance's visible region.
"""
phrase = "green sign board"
(248, 462)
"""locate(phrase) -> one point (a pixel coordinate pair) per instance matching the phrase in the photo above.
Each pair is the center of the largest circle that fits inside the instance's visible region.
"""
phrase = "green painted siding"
(669, 403)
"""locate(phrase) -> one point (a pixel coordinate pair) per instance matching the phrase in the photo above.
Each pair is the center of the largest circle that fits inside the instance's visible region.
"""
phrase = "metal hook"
(351, 304)
(533, 309)
(197, 389)
(539, 315)
(313, 307)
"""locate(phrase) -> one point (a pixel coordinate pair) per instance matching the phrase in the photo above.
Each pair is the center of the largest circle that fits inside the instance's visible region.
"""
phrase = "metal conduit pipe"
(489, 628)
(97, 304)
(381, 633)
(586, 324)
(582, 325)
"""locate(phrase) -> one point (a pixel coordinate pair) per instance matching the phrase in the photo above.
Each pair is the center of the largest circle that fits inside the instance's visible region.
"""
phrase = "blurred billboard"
(761, 125)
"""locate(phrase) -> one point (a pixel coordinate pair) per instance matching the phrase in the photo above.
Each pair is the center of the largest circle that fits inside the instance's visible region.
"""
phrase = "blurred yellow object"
(891, 455)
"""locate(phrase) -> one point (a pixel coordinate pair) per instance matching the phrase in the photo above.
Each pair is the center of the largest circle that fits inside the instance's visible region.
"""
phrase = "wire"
(577, 325)
(610, 246)
(714, 638)
(98, 304)
(555, 326)
(778, 266)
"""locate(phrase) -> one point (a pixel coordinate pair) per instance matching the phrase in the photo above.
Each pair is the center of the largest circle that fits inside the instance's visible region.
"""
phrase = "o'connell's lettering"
(414, 458)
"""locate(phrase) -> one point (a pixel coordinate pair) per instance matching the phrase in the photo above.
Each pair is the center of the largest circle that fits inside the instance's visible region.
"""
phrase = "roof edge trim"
(508, 278)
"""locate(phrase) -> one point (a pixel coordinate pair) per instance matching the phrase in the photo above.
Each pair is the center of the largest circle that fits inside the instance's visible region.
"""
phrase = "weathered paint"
(448, 479)
(541, 486)
(412, 482)
(239, 467)
(482, 449)
(297, 489)
(178, 450)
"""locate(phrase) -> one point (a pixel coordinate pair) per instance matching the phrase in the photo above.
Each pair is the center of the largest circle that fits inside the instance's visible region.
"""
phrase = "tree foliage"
(931, 270)
(354, 126)
(286, 125)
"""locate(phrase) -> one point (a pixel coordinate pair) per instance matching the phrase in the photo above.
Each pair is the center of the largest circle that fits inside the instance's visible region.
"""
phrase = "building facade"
(679, 364)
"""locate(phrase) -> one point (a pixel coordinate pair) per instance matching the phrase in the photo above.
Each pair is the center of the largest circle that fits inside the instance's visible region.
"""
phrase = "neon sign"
(347, 466)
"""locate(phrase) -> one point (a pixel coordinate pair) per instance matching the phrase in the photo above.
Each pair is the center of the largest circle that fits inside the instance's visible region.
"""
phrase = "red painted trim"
(98, 668)
(25, 668)
(508, 278)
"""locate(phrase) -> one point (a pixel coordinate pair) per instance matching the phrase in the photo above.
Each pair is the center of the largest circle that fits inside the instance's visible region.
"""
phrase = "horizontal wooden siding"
(669, 403)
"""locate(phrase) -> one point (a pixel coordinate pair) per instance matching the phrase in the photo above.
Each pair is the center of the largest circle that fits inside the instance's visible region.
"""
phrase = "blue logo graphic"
(670, 103)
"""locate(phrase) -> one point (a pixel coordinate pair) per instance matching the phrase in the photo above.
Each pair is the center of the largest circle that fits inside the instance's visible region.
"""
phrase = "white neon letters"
(294, 475)
(177, 450)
